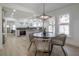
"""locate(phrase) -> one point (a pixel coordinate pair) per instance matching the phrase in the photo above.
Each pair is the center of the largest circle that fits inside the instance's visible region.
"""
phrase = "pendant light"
(44, 16)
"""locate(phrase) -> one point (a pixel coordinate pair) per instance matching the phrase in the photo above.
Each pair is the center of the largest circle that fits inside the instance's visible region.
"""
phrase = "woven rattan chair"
(60, 41)
(42, 46)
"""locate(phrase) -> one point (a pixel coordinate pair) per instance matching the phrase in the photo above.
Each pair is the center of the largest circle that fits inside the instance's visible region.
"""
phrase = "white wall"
(73, 11)
(0, 27)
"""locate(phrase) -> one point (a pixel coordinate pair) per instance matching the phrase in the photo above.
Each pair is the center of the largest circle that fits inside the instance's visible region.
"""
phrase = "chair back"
(30, 37)
(61, 37)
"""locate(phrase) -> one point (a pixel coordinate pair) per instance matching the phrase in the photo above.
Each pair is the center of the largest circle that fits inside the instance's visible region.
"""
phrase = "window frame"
(62, 24)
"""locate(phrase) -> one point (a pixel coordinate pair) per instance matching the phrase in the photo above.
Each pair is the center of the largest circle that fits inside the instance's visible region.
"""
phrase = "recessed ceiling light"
(14, 10)
(12, 14)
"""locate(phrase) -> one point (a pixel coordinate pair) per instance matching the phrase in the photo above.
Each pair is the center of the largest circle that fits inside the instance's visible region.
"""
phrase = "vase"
(44, 32)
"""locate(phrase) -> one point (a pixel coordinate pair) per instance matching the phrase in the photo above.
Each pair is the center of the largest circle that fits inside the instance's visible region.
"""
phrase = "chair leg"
(49, 53)
(63, 51)
(30, 46)
(36, 52)
(36, 49)
(50, 49)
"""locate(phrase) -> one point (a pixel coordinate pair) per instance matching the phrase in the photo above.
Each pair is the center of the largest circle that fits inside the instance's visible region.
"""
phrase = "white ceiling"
(30, 9)
(38, 7)
(17, 14)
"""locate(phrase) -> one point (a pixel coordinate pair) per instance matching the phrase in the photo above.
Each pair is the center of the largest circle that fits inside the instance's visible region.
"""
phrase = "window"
(51, 25)
(64, 24)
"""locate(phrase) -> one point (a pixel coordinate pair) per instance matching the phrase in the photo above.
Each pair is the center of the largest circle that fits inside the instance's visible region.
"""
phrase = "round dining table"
(48, 35)
(45, 37)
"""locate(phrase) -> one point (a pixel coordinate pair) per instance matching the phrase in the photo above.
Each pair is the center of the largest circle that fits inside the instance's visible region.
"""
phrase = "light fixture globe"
(44, 17)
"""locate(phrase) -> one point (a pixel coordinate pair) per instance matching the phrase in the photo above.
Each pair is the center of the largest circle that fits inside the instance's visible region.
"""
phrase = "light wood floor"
(17, 46)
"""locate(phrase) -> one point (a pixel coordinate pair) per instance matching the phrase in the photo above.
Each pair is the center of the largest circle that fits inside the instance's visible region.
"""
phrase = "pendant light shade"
(44, 16)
